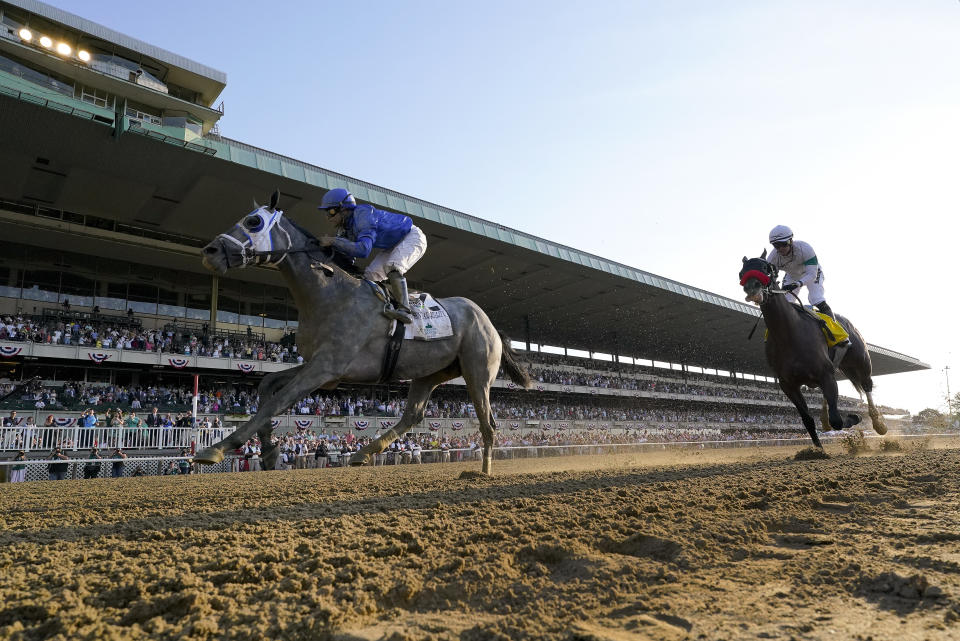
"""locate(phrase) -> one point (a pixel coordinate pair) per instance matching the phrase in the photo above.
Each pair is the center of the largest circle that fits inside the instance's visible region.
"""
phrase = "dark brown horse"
(798, 353)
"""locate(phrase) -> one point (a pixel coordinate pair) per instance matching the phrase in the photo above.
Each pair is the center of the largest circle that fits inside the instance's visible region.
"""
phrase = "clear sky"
(669, 136)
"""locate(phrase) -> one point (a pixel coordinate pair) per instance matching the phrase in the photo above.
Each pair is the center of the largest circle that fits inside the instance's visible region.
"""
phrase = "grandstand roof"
(530, 286)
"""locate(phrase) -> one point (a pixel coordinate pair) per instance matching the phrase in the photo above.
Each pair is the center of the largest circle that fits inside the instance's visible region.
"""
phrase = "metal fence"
(85, 468)
(39, 469)
(30, 438)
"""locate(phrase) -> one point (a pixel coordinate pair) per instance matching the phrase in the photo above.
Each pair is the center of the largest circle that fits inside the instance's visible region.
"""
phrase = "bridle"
(258, 248)
(768, 281)
(767, 277)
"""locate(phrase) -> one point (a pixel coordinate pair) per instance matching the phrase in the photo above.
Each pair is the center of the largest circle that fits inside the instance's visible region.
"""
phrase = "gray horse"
(343, 334)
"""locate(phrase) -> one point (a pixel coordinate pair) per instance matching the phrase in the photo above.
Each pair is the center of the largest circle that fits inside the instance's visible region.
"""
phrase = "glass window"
(142, 297)
(78, 288)
(9, 281)
(41, 284)
(228, 302)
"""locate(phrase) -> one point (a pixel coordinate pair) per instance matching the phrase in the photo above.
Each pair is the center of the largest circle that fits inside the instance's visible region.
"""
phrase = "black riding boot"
(398, 289)
(823, 308)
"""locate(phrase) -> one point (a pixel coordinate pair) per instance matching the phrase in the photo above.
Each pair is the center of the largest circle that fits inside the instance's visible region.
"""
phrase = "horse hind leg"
(420, 391)
(875, 418)
(478, 387)
(269, 452)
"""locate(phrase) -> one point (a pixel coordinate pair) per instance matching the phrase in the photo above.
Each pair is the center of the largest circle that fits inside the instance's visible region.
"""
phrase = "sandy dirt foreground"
(714, 545)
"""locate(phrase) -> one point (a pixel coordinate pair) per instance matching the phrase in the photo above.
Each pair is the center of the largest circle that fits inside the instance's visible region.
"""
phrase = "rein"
(772, 290)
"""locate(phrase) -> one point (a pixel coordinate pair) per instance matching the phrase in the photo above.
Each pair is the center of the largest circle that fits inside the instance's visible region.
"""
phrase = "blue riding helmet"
(339, 198)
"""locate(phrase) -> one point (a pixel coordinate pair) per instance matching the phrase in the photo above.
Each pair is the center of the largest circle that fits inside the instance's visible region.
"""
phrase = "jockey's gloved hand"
(789, 287)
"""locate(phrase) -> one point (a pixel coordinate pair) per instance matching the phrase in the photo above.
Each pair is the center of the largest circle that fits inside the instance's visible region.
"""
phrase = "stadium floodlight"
(26, 34)
(63, 49)
(84, 55)
(46, 42)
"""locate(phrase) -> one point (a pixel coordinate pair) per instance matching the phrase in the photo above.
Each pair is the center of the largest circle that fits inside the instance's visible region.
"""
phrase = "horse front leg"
(796, 397)
(308, 380)
(828, 384)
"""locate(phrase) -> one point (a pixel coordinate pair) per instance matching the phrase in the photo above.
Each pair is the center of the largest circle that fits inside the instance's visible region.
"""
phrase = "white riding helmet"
(781, 233)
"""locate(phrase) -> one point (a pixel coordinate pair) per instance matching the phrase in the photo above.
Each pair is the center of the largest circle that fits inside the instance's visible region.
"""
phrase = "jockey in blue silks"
(363, 228)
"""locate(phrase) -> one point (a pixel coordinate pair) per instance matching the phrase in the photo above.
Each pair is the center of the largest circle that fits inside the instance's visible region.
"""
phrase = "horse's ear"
(256, 205)
(274, 199)
(744, 259)
(764, 254)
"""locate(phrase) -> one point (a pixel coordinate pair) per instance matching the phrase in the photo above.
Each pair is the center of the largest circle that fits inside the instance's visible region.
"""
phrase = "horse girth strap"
(391, 353)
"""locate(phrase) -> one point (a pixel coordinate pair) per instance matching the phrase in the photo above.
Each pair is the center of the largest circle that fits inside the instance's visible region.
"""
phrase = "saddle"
(838, 339)
(832, 330)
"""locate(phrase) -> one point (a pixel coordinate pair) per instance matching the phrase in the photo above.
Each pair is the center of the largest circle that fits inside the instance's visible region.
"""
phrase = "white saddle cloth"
(430, 319)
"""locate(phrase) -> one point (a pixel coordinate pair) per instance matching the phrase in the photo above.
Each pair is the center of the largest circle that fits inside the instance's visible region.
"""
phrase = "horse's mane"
(327, 254)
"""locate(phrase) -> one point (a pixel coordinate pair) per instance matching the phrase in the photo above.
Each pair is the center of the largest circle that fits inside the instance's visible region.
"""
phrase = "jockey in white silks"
(797, 259)
(361, 228)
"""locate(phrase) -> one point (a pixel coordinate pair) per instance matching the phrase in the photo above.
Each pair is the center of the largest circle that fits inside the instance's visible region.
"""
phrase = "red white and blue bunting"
(387, 424)
(562, 427)
(361, 425)
(304, 423)
(540, 388)
(246, 368)
(178, 363)
(514, 426)
(9, 351)
(275, 423)
(64, 422)
(434, 425)
(456, 425)
(98, 357)
(546, 426)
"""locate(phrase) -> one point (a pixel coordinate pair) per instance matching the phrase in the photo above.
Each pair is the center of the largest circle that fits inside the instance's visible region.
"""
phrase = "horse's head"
(258, 238)
(756, 277)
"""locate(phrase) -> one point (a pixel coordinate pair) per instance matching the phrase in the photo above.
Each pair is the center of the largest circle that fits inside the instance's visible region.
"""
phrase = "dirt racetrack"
(740, 544)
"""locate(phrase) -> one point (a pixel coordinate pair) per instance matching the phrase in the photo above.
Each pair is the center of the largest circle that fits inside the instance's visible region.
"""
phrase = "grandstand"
(113, 175)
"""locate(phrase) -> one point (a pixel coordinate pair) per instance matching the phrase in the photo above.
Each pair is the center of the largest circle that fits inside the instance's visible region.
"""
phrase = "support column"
(214, 287)
(526, 330)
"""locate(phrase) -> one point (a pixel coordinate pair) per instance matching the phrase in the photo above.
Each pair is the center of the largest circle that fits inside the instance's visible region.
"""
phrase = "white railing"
(31, 439)
(37, 468)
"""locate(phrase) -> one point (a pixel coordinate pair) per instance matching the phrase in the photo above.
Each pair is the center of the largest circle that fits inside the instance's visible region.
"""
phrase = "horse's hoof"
(851, 420)
(208, 456)
(358, 460)
(879, 428)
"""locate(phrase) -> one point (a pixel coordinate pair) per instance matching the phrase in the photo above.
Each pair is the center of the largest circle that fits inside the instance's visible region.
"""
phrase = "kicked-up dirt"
(745, 544)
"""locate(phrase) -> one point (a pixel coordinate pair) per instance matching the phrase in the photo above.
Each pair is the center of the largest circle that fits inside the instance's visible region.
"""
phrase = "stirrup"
(397, 314)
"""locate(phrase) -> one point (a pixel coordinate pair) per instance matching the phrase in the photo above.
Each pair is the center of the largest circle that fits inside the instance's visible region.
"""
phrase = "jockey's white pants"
(815, 293)
(401, 258)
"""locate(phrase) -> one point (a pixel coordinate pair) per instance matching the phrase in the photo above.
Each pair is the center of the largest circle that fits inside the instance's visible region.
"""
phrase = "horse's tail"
(508, 358)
